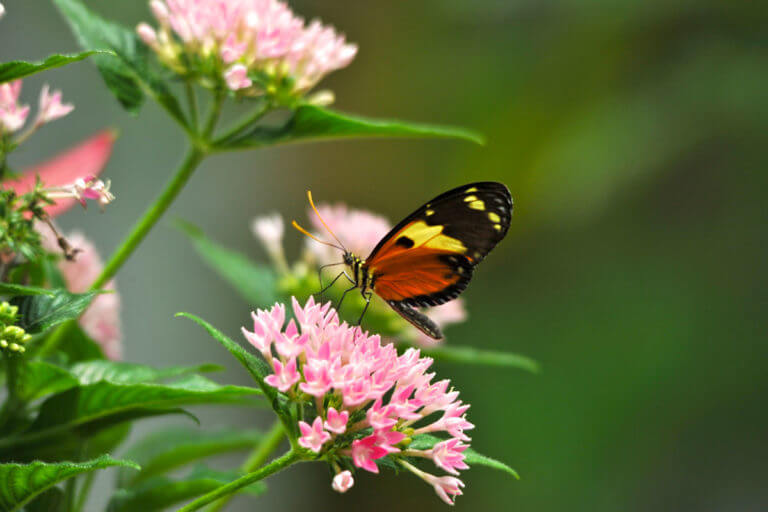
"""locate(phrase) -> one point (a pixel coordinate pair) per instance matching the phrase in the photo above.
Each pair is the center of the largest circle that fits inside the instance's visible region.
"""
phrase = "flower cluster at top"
(13, 114)
(254, 46)
(369, 402)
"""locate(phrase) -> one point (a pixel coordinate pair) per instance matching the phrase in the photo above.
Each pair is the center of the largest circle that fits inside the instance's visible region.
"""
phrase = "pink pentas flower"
(13, 115)
(337, 421)
(101, 321)
(51, 107)
(313, 437)
(343, 481)
(262, 36)
(369, 401)
(86, 159)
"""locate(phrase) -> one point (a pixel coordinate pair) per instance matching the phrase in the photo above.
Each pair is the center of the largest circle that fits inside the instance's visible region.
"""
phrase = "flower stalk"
(280, 463)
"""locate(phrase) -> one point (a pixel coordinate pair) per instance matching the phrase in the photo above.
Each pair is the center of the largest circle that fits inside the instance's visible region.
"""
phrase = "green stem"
(244, 123)
(276, 465)
(257, 458)
(213, 116)
(192, 100)
(193, 158)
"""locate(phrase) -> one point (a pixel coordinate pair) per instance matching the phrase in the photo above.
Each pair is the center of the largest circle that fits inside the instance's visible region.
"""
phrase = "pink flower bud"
(343, 481)
(147, 34)
(51, 107)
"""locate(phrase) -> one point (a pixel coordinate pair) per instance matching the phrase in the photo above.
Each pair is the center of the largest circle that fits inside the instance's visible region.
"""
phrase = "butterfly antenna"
(313, 237)
(312, 204)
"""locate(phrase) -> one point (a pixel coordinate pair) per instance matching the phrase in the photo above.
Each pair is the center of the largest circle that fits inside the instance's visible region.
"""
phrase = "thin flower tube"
(364, 401)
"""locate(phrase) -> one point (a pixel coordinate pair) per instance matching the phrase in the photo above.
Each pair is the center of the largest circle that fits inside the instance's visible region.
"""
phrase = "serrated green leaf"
(38, 379)
(469, 355)
(90, 408)
(20, 483)
(11, 289)
(311, 123)
(167, 450)
(119, 372)
(16, 69)
(255, 283)
(38, 313)
(255, 366)
(160, 493)
(128, 74)
(471, 457)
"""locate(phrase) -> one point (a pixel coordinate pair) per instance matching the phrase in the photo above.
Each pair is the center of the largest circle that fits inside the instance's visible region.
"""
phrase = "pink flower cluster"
(362, 389)
(360, 231)
(13, 115)
(247, 36)
(82, 189)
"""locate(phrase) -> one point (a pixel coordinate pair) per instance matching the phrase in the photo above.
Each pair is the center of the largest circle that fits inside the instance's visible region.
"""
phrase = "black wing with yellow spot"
(428, 258)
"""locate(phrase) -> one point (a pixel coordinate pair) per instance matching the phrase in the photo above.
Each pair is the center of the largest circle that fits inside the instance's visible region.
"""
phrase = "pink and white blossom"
(262, 36)
(13, 114)
(83, 189)
(313, 436)
(343, 481)
(337, 421)
(346, 372)
(2, 11)
(50, 106)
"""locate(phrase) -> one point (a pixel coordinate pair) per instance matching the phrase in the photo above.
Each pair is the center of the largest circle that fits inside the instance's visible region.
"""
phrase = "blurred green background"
(633, 138)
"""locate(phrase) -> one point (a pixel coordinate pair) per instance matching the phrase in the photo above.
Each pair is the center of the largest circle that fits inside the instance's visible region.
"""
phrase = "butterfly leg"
(367, 296)
(320, 278)
(338, 308)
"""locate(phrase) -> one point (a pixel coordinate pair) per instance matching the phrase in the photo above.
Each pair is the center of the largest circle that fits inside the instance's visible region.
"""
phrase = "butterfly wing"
(429, 257)
(419, 320)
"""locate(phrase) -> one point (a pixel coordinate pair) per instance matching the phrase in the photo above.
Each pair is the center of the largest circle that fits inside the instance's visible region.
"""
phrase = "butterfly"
(428, 258)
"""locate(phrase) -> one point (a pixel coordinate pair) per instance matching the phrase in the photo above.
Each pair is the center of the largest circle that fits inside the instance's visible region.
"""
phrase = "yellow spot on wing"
(494, 217)
(477, 205)
(429, 212)
(473, 189)
(497, 227)
(469, 199)
(431, 237)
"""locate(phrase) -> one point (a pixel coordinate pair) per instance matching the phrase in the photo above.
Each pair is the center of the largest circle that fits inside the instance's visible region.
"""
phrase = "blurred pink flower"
(261, 36)
(13, 115)
(86, 159)
(358, 230)
(101, 321)
(342, 364)
(2, 11)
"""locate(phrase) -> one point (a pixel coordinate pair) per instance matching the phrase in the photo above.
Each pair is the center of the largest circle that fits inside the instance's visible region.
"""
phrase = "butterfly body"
(429, 257)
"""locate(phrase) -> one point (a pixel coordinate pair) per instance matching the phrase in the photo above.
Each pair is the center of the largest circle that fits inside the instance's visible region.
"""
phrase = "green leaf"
(311, 123)
(17, 69)
(38, 313)
(471, 457)
(160, 493)
(170, 449)
(117, 372)
(38, 379)
(20, 483)
(255, 366)
(17, 289)
(469, 355)
(78, 346)
(255, 283)
(127, 74)
(90, 408)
